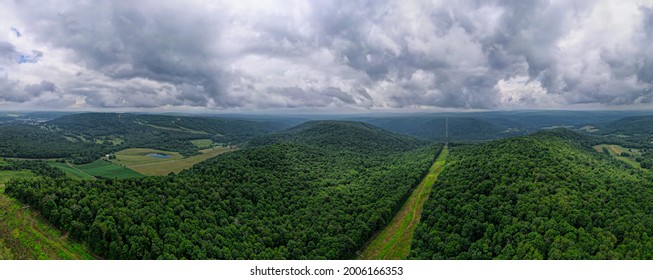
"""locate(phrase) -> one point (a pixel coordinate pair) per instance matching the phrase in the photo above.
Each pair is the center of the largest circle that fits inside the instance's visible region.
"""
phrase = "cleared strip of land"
(24, 234)
(393, 242)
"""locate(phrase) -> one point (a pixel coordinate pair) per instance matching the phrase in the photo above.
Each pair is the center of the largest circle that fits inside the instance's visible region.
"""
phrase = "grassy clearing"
(630, 161)
(116, 141)
(393, 242)
(178, 129)
(6, 175)
(103, 168)
(616, 150)
(589, 128)
(71, 171)
(137, 159)
(202, 143)
(71, 139)
(24, 234)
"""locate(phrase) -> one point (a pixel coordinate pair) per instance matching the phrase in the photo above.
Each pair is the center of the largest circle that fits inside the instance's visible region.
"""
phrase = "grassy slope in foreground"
(137, 159)
(393, 242)
(27, 236)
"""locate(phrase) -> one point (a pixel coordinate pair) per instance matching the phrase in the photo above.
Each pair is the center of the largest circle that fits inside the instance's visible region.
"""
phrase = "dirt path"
(393, 242)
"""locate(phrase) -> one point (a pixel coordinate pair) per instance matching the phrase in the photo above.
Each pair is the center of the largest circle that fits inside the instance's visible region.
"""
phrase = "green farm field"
(202, 143)
(616, 150)
(102, 168)
(138, 160)
(71, 171)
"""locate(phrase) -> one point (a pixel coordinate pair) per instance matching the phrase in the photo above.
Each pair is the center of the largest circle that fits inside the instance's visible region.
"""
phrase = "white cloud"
(336, 55)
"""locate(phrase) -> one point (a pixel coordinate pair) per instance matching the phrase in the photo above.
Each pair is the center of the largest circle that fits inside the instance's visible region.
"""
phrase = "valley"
(138, 159)
(130, 186)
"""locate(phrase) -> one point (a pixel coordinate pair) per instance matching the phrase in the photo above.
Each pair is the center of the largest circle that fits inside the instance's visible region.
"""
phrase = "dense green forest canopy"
(311, 196)
(40, 168)
(355, 136)
(544, 196)
(30, 141)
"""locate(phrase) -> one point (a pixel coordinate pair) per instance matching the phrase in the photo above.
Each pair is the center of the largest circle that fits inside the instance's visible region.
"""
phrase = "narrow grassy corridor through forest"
(393, 242)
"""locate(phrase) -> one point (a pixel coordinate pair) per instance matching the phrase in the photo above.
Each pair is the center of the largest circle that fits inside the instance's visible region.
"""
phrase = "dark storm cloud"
(11, 90)
(37, 89)
(297, 97)
(333, 54)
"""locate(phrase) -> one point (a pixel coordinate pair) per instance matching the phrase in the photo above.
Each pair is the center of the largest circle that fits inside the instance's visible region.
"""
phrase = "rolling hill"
(346, 135)
(638, 125)
(86, 137)
(460, 128)
(30, 141)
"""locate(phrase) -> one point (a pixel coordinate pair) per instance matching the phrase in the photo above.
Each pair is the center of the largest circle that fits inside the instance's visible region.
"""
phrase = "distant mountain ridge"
(460, 128)
(629, 126)
(85, 137)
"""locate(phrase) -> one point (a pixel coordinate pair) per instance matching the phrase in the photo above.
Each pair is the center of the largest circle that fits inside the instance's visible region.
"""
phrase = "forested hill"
(29, 141)
(286, 200)
(343, 135)
(629, 126)
(460, 128)
(536, 197)
(117, 124)
(85, 137)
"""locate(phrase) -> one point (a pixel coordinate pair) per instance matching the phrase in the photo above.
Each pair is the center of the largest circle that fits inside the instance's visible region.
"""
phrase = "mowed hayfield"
(202, 143)
(105, 169)
(616, 150)
(138, 160)
(394, 241)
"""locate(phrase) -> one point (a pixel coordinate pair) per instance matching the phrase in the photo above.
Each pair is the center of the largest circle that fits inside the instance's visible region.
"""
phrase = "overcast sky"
(325, 55)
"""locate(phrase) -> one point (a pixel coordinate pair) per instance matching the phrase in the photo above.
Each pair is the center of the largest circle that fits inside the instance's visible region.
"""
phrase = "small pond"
(157, 155)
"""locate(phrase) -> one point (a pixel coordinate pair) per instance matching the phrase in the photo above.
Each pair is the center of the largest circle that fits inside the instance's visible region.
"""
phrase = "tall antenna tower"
(446, 131)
